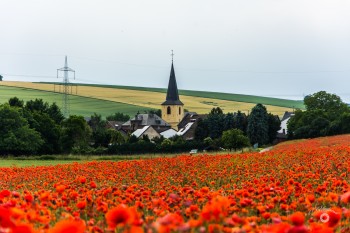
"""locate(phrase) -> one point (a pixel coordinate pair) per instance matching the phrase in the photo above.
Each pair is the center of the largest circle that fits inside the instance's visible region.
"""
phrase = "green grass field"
(36, 161)
(26, 163)
(217, 95)
(79, 105)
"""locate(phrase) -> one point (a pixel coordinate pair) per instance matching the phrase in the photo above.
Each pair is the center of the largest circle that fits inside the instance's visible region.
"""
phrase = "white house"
(146, 130)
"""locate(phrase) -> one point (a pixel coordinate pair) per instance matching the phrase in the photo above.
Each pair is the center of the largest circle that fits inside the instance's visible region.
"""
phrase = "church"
(172, 107)
(174, 120)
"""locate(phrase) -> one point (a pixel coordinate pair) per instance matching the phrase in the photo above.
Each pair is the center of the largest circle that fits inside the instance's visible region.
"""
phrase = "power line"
(28, 75)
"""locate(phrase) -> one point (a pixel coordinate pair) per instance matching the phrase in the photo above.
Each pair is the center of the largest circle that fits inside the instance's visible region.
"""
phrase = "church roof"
(172, 96)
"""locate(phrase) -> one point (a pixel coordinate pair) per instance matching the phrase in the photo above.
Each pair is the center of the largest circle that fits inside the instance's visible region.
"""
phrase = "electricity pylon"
(66, 87)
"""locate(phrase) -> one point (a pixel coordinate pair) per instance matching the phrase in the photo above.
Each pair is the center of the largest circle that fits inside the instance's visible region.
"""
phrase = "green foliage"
(326, 102)
(229, 122)
(208, 141)
(326, 115)
(145, 138)
(258, 128)
(345, 122)
(240, 121)
(37, 105)
(234, 139)
(166, 142)
(15, 135)
(99, 130)
(49, 131)
(75, 132)
(118, 117)
(158, 140)
(133, 139)
(1, 77)
(274, 125)
(115, 137)
(202, 130)
(15, 102)
(55, 113)
(215, 122)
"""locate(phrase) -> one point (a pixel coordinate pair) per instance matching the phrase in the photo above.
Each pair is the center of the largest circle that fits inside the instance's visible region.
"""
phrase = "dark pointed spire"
(172, 97)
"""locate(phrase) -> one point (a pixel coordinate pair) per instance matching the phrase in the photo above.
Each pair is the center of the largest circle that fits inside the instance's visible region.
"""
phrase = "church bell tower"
(172, 108)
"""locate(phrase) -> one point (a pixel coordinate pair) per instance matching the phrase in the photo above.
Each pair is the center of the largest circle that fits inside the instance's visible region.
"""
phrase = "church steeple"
(172, 96)
(172, 108)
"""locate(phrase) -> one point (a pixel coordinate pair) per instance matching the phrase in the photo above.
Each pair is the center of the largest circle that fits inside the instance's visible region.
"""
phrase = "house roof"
(184, 130)
(186, 118)
(148, 119)
(139, 132)
(169, 133)
(287, 115)
(115, 124)
(172, 96)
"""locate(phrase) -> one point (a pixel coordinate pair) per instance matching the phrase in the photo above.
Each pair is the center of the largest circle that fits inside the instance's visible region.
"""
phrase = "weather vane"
(172, 55)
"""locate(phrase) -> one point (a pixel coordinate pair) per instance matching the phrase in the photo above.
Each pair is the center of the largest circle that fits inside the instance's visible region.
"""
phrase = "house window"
(179, 110)
(168, 111)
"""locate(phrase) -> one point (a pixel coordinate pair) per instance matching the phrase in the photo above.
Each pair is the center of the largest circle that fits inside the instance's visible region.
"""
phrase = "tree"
(115, 137)
(1, 77)
(15, 102)
(326, 102)
(215, 123)
(15, 135)
(302, 132)
(49, 132)
(240, 121)
(166, 144)
(345, 122)
(305, 121)
(75, 132)
(99, 130)
(202, 130)
(258, 128)
(319, 127)
(274, 125)
(234, 139)
(37, 105)
(55, 113)
(133, 139)
(216, 110)
(229, 121)
(118, 117)
(208, 141)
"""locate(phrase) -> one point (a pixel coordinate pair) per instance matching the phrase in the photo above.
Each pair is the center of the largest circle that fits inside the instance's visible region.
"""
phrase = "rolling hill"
(84, 106)
(132, 99)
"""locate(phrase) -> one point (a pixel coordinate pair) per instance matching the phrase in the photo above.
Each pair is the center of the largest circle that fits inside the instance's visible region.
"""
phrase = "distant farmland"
(151, 98)
(78, 105)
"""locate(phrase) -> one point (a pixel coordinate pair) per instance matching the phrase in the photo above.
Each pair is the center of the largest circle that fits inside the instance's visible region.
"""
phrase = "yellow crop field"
(149, 99)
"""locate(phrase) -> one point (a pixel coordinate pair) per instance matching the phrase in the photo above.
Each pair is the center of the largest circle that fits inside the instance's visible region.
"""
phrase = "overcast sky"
(280, 48)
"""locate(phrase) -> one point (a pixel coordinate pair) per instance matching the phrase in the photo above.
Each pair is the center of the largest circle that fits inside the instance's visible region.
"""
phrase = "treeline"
(326, 114)
(37, 127)
(259, 127)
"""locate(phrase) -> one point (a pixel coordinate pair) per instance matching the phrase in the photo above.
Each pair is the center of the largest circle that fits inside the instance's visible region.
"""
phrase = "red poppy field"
(297, 187)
